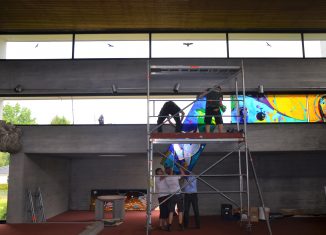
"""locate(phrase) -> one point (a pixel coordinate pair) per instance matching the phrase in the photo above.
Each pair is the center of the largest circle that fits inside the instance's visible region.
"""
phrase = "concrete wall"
(85, 139)
(52, 175)
(293, 180)
(105, 173)
(290, 162)
(132, 138)
(284, 151)
(97, 76)
(288, 180)
(17, 210)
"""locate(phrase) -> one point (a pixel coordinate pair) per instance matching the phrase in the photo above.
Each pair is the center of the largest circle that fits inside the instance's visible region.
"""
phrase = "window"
(111, 46)
(76, 110)
(188, 45)
(315, 45)
(36, 46)
(80, 110)
(265, 45)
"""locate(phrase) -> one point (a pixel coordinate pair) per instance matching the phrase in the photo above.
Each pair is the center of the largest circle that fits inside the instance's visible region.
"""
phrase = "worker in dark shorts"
(170, 108)
(176, 198)
(213, 108)
(162, 188)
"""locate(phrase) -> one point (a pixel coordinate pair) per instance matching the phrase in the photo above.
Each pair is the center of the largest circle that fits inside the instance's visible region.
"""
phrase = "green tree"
(18, 115)
(60, 121)
(15, 115)
(4, 159)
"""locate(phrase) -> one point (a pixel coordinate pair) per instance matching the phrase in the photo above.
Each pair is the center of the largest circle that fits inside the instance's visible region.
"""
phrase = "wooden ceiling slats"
(106, 15)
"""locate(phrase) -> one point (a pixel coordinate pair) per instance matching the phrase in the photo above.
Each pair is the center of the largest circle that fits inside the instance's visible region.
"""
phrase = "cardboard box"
(254, 214)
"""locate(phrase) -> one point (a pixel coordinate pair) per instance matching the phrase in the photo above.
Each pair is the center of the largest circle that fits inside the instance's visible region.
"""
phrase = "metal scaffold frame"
(239, 138)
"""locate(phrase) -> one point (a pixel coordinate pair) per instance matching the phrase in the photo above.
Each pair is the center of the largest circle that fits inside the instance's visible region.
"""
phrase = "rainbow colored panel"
(317, 108)
(187, 155)
(272, 109)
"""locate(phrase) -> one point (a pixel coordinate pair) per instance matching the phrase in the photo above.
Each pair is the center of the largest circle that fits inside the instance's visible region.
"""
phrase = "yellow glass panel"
(294, 107)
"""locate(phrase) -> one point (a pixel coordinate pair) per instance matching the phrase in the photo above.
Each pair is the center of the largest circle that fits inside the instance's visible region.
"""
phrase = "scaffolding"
(238, 139)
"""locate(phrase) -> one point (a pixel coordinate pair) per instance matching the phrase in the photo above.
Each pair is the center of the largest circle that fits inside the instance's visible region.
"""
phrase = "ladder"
(31, 209)
(36, 206)
(40, 205)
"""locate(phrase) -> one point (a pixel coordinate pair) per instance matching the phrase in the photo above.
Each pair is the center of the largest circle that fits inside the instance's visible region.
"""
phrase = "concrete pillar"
(323, 48)
(2, 49)
(17, 212)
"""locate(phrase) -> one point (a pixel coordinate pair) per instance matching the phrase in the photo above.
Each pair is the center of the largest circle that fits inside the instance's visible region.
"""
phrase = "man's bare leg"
(220, 128)
(207, 128)
(180, 217)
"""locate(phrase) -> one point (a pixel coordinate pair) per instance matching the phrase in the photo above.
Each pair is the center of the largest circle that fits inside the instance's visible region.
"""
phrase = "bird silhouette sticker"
(187, 44)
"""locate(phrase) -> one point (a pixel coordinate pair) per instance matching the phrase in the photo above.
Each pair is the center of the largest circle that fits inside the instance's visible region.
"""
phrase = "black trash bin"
(226, 211)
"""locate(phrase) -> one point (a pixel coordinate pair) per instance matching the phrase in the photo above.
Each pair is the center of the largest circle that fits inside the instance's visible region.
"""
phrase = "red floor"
(42, 229)
(73, 222)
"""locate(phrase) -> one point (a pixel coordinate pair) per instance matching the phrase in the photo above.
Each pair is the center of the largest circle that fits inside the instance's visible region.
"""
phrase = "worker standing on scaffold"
(214, 108)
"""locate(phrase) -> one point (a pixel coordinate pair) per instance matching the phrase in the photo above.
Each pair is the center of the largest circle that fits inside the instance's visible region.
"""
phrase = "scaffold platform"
(167, 138)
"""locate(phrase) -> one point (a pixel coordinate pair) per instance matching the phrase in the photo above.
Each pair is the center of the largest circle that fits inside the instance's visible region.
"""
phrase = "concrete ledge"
(112, 139)
(93, 229)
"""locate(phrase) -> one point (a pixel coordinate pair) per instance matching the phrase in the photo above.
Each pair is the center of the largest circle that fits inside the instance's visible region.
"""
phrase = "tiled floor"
(73, 222)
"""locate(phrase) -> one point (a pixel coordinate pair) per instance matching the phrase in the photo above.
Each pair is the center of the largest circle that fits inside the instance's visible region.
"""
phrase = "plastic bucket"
(261, 213)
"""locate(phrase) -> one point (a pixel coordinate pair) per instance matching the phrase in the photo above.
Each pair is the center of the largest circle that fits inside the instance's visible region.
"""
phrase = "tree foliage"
(4, 159)
(18, 115)
(60, 121)
(15, 115)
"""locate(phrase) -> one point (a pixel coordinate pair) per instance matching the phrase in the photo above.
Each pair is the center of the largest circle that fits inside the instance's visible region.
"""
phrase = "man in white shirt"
(162, 188)
(176, 199)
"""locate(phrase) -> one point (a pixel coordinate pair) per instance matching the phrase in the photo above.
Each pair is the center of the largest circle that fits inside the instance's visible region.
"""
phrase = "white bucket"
(261, 213)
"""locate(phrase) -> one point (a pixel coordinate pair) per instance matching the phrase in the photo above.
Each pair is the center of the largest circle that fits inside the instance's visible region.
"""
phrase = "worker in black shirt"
(170, 108)
(214, 105)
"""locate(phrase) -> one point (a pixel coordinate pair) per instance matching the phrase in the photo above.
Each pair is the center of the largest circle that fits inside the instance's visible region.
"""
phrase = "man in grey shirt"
(190, 198)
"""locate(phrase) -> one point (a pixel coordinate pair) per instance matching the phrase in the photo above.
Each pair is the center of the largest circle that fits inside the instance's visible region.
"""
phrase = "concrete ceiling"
(161, 15)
